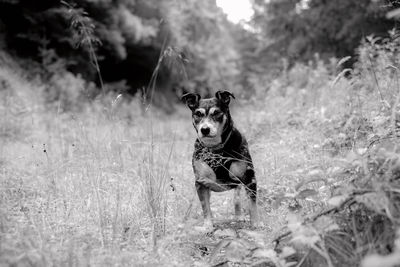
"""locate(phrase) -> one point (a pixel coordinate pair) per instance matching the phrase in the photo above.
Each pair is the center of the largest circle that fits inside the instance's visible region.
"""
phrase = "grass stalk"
(376, 80)
(396, 104)
(83, 29)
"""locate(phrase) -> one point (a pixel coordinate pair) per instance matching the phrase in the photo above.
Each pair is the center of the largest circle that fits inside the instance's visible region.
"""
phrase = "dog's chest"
(213, 159)
(219, 162)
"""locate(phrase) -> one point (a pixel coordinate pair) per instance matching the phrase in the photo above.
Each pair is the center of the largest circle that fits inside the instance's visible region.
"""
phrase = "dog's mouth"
(208, 136)
(210, 141)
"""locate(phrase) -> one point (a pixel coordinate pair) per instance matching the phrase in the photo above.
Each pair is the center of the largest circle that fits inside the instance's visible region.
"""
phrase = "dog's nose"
(205, 130)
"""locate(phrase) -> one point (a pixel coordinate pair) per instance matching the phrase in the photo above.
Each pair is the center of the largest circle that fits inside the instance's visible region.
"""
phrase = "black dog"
(221, 159)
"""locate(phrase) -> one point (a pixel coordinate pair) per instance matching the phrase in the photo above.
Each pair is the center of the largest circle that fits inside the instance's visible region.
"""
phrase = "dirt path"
(282, 161)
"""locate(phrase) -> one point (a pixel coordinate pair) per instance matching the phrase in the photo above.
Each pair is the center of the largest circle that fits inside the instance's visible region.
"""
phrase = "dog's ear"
(224, 96)
(191, 100)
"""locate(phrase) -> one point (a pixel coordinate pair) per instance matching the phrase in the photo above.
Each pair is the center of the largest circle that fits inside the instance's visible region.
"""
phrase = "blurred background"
(96, 146)
(128, 46)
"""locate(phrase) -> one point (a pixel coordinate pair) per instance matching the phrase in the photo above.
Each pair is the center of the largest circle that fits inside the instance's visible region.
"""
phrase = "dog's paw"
(256, 224)
(240, 218)
(207, 227)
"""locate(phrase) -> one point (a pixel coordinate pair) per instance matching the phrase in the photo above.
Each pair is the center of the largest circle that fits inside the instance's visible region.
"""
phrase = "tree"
(191, 37)
(297, 29)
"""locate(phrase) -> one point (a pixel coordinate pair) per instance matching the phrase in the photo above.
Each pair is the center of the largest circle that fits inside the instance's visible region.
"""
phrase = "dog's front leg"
(205, 181)
(253, 208)
(204, 195)
(236, 201)
(251, 190)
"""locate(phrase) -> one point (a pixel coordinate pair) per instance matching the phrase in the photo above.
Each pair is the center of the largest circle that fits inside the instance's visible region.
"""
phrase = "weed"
(83, 31)
(92, 187)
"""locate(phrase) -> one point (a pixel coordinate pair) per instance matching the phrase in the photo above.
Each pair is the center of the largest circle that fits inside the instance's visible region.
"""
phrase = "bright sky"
(236, 10)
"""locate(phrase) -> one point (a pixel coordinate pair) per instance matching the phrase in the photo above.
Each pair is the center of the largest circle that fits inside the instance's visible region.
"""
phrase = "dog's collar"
(219, 146)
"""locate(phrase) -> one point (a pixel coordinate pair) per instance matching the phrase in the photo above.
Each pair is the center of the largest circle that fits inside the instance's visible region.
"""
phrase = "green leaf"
(236, 251)
(222, 244)
(375, 201)
(304, 234)
(336, 201)
(265, 253)
(287, 252)
(325, 224)
(306, 193)
(393, 14)
(313, 176)
(376, 260)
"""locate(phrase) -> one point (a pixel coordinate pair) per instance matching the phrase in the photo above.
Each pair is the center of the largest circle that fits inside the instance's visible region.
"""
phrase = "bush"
(362, 221)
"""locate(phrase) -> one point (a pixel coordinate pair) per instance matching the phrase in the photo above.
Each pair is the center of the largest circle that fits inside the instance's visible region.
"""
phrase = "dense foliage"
(298, 29)
(173, 46)
(127, 38)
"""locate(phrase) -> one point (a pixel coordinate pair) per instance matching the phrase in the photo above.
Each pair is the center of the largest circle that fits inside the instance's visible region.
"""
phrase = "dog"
(221, 158)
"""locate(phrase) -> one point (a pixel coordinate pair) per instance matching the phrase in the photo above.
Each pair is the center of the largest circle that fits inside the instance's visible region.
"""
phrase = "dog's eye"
(198, 114)
(217, 113)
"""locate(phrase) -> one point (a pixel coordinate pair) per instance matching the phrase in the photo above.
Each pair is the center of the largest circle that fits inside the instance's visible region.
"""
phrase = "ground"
(94, 187)
(110, 182)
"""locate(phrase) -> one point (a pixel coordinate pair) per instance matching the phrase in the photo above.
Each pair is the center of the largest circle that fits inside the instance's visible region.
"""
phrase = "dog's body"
(221, 159)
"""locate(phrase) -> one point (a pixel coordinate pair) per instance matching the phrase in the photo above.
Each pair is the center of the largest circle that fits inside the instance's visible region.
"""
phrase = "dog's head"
(210, 116)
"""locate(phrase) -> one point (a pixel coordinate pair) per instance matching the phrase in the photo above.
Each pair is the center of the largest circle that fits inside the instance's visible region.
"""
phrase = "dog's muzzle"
(205, 131)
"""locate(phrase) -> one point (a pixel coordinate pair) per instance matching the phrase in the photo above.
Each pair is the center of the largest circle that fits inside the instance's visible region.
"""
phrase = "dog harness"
(220, 158)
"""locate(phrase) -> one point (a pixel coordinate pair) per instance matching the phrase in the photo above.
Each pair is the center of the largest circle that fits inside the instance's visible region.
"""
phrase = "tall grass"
(76, 185)
(111, 185)
(83, 30)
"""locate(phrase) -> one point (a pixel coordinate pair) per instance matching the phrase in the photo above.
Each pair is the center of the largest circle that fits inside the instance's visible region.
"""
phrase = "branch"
(350, 200)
